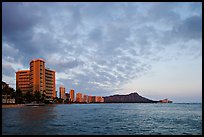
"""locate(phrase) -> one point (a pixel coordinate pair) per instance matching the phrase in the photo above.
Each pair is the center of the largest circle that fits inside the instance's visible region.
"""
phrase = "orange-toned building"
(89, 99)
(23, 80)
(71, 93)
(93, 99)
(50, 83)
(99, 99)
(62, 92)
(102, 99)
(85, 98)
(79, 97)
(38, 78)
(37, 75)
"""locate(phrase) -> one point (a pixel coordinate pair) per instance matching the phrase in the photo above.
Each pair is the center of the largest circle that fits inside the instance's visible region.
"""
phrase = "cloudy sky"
(109, 48)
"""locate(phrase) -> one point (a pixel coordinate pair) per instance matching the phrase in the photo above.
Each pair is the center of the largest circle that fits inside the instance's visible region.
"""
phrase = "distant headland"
(131, 98)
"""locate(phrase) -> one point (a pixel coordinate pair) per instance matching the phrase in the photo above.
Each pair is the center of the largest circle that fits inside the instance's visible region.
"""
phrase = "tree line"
(20, 98)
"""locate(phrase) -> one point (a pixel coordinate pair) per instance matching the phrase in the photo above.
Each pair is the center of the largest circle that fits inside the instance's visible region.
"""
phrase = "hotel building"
(71, 93)
(37, 75)
(85, 98)
(89, 99)
(79, 97)
(50, 83)
(38, 78)
(93, 99)
(62, 92)
(23, 80)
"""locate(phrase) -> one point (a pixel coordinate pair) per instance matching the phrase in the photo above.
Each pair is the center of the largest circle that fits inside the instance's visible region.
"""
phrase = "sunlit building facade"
(85, 98)
(90, 99)
(50, 83)
(38, 78)
(71, 93)
(23, 81)
(93, 99)
(79, 97)
(99, 99)
(62, 92)
(37, 75)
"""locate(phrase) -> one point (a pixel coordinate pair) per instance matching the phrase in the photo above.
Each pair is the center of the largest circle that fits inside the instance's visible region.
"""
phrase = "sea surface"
(104, 119)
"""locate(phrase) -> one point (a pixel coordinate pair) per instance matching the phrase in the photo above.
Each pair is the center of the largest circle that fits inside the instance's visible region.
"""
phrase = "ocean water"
(104, 119)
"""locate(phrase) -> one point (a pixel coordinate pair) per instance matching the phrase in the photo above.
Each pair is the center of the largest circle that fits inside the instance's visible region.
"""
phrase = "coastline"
(12, 105)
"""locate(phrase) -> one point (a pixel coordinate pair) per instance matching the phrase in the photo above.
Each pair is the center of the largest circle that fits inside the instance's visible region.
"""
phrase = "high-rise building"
(102, 99)
(62, 92)
(79, 97)
(38, 78)
(90, 99)
(85, 98)
(23, 80)
(93, 99)
(37, 75)
(71, 93)
(50, 83)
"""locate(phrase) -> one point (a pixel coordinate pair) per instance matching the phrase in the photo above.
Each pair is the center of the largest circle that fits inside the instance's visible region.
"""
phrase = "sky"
(103, 49)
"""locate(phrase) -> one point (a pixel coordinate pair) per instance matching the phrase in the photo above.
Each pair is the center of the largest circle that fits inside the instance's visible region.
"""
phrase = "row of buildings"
(40, 78)
(80, 98)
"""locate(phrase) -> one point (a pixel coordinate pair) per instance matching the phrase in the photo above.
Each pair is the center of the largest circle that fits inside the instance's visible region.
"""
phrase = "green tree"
(8, 93)
(11, 92)
(29, 96)
(43, 97)
(19, 96)
(60, 100)
(37, 96)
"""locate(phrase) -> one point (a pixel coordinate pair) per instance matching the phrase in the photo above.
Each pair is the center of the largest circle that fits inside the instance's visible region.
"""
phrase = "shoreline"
(12, 105)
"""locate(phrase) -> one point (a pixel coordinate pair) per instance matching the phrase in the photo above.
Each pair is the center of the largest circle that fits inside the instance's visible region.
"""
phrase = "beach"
(12, 105)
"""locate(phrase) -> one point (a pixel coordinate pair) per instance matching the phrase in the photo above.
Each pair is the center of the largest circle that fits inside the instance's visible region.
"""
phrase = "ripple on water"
(109, 119)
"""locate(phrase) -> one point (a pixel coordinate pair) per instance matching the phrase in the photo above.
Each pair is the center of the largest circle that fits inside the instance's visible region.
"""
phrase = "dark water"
(117, 119)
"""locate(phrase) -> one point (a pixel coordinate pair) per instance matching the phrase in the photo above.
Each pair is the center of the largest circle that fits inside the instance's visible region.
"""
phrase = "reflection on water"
(29, 119)
(74, 119)
(36, 114)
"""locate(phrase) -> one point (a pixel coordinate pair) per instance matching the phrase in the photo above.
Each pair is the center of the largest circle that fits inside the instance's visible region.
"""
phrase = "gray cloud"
(196, 7)
(63, 64)
(163, 11)
(190, 28)
(102, 45)
(15, 22)
(183, 32)
(9, 51)
(8, 70)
